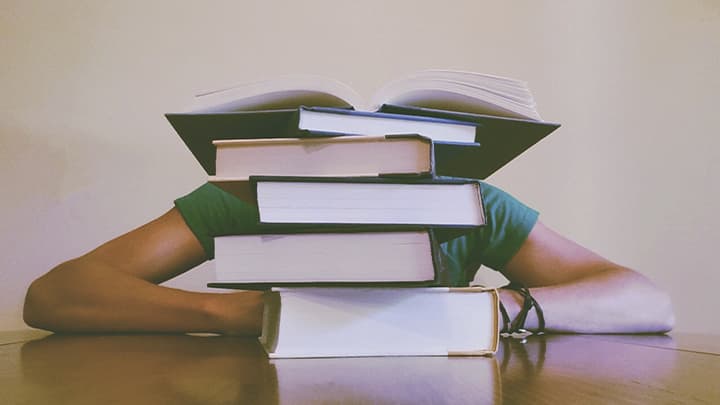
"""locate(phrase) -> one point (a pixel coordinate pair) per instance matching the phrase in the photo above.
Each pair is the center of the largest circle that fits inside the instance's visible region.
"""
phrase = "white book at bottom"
(379, 321)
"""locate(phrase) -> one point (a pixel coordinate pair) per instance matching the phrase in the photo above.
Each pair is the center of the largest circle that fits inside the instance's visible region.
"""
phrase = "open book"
(436, 89)
(477, 122)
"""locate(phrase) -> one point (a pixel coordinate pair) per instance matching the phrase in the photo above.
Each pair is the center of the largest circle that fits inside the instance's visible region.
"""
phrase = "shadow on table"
(589, 369)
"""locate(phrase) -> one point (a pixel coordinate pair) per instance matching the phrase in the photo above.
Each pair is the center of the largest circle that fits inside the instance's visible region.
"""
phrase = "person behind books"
(115, 287)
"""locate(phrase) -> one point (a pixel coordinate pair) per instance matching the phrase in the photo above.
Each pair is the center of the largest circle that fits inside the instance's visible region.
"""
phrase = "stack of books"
(351, 200)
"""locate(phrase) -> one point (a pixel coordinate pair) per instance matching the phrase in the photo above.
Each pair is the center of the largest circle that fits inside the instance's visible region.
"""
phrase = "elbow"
(43, 303)
(652, 306)
(34, 308)
(665, 312)
(657, 314)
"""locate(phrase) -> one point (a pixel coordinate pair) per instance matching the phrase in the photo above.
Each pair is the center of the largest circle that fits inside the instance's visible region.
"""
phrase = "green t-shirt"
(209, 211)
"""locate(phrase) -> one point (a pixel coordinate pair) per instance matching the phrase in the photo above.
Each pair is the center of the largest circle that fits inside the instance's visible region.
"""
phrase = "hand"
(237, 313)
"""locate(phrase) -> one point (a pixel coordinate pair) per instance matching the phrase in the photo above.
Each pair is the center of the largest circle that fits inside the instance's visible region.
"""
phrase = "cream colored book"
(376, 321)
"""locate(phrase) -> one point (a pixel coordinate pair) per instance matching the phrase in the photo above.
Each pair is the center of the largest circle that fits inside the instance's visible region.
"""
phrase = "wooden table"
(36, 368)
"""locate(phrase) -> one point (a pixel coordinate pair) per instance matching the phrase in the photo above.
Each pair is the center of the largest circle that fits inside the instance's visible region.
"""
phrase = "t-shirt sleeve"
(508, 224)
(209, 211)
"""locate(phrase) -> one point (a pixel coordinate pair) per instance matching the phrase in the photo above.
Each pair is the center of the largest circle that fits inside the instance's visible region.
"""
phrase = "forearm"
(93, 297)
(616, 300)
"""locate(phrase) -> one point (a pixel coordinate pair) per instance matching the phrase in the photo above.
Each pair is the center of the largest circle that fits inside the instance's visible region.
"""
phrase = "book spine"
(293, 126)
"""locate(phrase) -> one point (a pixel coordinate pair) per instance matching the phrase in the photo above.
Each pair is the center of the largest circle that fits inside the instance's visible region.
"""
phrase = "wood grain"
(140, 369)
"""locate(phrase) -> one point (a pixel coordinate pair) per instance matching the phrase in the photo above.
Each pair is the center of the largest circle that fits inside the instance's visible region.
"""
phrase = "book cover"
(198, 131)
(502, 140)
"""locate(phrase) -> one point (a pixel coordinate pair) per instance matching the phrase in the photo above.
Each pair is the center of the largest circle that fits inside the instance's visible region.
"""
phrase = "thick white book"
(359, 322)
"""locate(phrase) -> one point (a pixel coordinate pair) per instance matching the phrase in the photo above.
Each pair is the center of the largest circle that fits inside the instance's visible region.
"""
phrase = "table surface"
(36, 367)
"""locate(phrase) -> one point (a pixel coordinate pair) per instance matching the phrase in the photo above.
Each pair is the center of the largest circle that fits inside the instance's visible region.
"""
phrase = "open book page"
(461, 91)
(283, 92)
(439, 89)
(504, 86)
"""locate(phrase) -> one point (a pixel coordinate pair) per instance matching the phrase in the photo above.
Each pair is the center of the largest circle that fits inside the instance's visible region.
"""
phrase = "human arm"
(582, 292)
(114, 288)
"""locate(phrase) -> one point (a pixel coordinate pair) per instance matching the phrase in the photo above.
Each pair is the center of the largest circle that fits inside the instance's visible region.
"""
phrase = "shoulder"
(508, 224)
(210, 211)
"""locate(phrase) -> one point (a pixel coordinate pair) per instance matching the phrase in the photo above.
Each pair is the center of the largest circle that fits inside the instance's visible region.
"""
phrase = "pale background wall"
(85, 153)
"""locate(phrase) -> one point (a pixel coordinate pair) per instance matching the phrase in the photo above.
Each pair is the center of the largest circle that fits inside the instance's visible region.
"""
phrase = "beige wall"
(85, 153)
